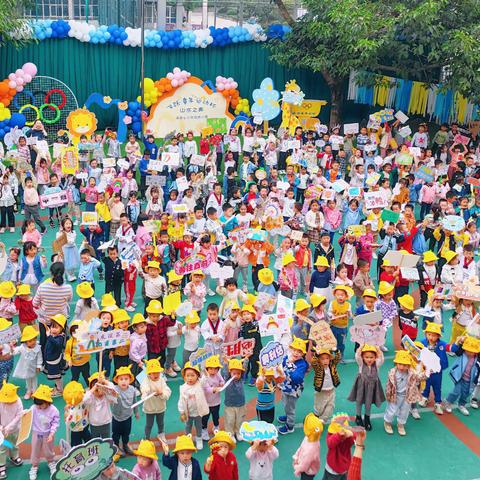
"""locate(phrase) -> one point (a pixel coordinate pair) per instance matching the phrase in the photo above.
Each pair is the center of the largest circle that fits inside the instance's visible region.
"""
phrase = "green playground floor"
(445, 448)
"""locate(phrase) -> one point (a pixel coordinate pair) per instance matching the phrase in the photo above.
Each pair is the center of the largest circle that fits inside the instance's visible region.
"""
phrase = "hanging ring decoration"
(34, 108)
(28, 93)
(55, 108)
(60, 92)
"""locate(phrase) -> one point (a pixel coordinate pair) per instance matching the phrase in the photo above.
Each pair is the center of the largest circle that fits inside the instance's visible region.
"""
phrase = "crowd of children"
(318, 221)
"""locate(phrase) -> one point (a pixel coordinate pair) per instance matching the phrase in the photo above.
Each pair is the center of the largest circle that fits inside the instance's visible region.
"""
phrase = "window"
(79, 9)
(48, 9)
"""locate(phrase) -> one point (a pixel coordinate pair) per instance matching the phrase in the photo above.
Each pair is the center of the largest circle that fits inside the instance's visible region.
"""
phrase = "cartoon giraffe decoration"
(292, 95)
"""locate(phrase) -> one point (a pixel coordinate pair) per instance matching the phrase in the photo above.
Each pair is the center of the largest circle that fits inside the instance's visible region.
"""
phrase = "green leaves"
(12, 25)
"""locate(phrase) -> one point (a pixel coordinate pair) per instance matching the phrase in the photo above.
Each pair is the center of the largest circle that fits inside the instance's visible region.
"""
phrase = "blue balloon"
(94, 39)
(124, 35)
(17, 120)
(136, 126)
(118, 41)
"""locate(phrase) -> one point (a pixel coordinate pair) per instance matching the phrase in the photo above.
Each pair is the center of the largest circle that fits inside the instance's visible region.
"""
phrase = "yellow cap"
(138, 318)
(120, 315)
(73, 393)
(338, 422)
(8, 392)
(192, 317)
(265, 275)
(95, 376)
(266, 372)
(288, 258)
(251, 299)
(248, 308)
(43, 393)
(384, 288)
(369, 348)
(321, 261)
(153, 264)
(233, 306)
(449, 255)
(235, 364)
(173, 276)
(59, 319)
(433, 327)
(312, 427)
(471, 344)
(24, 290)
(188, 366)
(325, 351)
(29, 333)
(108, 300)
(402, 357)
(184, 442)
(85, 290)
(198, 272)
(4, 324)
(153, 366)
(345, 289)
(155, 307)
(429, 256)
(213, 362)
(301, 305)
(7, 289)
(299, 344)
(316, 299)
(369, 292)
(74, 323)
(406, 301)
(224, 437)
(124, 371)
(146, 448)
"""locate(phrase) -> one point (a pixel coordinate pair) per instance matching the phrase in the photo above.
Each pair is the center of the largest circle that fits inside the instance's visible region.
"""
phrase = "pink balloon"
(30, 69)
(174, 83)
(170, 75)
(27, 77)
(12, 76)
(220, 87)
(218, 79)
(20, 81)
(234, 84)
(12, 84)
(19, 72)
(229, 79)
(176, 70)
(20, 88)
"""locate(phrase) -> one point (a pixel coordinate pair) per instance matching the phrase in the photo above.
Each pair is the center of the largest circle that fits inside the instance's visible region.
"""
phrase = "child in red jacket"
(340, 440)
(222, 463)
(23, 302)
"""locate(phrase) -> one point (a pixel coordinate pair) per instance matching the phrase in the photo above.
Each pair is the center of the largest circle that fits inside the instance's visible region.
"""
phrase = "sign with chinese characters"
(188, 108)
(196, 261)
(10, 334)
(322, 335)
(57, 199)
(200, 357)
(86, 461)
(92, 342)
(272, 354)
(240, 347)
(258, 430)
(375, 200)
(89, 218)
(372, 335)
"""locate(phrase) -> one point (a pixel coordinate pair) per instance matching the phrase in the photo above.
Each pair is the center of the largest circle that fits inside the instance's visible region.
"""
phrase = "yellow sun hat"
(146, 448)
(233, 306)
(369, 348)
(124, 371)
(317, 299)
(235, 364)
(198, 272)
(137, 319)
(325, 351)
(43, 393)
(153, 366)
(153, 264)
(338, 423)
(73, 393)
(8, 392)
(108, 300)
(402, 357)
(192, 317)
(4, 324)
(429, 256)
(213, 362)
(471, 344)
(369, 292)
(74, 323)
(321, 261)
(248, 308)
(120, 315)
(384, 288)
(299, 344)
(251, 299)
(24, 289)
(184, 442)
(265, 276)
(449, 255)
(224, 437)
(7, 289)
(59, 319)
(345, 289)
(312, 427)
(266, 372)
(188, 366)
(155, 307)
(386, 263)
(29, 333)
(406, 301)
(433, 327)
(288, 258)
(85, 290)
(95, 376)
(173, 276)
(301, 304)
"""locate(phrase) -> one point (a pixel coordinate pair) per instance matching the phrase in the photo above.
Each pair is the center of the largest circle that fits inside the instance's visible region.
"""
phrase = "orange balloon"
(3, 88)
(6, 102)
(13, 92)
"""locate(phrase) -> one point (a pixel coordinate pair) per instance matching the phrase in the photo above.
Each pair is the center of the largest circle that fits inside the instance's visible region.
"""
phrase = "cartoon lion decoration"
(81, 122)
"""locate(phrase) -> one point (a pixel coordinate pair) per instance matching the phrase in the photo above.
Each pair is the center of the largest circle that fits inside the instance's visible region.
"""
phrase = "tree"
(424, 40)
(13, 27)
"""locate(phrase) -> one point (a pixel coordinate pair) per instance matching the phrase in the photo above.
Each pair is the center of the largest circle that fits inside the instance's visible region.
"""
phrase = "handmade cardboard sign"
(10, 334)
(93, 342)
(372, 318)
(171, 302)
(69, 161)
(357, 230)
(322, 335)
(389, 216)
(372, 335)
(25, 427)
(170, 159)
(272, 354)
(351, 128)
(401, 117)
(198, 160)
(467, 291)
(195, 261)
(273, 324)
(52, 200)
(398, 259)
(200, 357)
(89, 218)
(453, 223)
(240, 347)
(375, 200)
(425, 173)
(155, 180)
(155, 165)
(258, 430)
(108, 162)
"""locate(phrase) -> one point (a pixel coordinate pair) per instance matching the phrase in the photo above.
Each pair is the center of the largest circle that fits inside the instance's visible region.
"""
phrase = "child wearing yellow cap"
(407, 320)
(191, 333)
(11, 411)
(367, 388)
(79, 363)
(465, 312)
(386, 304)
(147, 466)
(234, 403)
(54, 352)
(339, 313)
(30, 360)
(182, 460)
(87, 303)
(195, 290)
(24, 304)
(230, 293)
(251, 329)
(7, 306)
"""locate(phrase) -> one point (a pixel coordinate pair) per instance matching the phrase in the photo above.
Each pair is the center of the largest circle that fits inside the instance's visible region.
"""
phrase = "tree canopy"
(12, 22)
(434, 41)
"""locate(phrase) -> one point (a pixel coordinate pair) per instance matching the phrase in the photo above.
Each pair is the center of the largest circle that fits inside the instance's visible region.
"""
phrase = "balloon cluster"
(131, 37)
(135, 112)
(178, 77)
(163, 85)
(15, 120)
(150, 93)
(22, 76)
(243, 107)
(223, 83)
(5, 113)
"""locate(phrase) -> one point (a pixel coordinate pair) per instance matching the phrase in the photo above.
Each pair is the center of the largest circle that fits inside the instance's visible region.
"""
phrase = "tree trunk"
(284, 12)
(337, 96)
